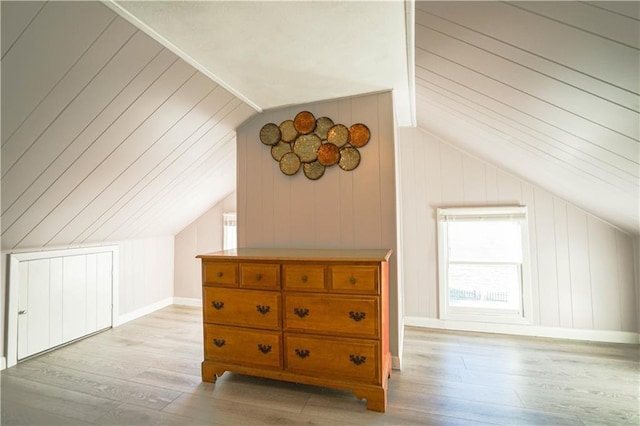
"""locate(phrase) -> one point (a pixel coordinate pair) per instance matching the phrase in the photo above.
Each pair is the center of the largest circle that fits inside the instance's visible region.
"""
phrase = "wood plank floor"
(146, 372)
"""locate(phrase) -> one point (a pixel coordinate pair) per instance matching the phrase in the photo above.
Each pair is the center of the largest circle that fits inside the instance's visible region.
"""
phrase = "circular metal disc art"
(290, 164)
(359, 135)
(349, 158)
(323, 124)
(313, 170)
(280, 149)
(306, 146)
(338, 135)
(328, 154)
(270, 134)
(304, 122)
(288, 131)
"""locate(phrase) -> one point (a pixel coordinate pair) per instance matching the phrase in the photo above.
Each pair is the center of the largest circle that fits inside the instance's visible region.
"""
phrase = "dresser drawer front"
(355, 279)
(251, 308)
(243, 347)
(321, 313)
(260, 275)
(303, 277)
(335, 358)
(220, 273)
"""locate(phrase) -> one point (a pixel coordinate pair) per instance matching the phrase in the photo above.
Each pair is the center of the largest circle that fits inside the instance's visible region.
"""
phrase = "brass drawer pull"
(220, 274)
(263, 309)
(219, 342)
(302, 353)
(301, 312)
(304, 278)
(352, 280)
(258, 277)
(357, 359)
(265, 349)
(357, 316)
(217, 304)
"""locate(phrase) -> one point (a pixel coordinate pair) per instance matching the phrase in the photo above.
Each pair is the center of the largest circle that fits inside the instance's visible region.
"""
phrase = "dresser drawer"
(250, 308)
(303, 277)
(355, 279)
(329, 314)
(260, 275)
(242, 346)
(335, 358)
(220, 273)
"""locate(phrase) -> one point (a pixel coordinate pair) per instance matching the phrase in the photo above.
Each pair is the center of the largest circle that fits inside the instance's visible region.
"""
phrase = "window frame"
(447, 312)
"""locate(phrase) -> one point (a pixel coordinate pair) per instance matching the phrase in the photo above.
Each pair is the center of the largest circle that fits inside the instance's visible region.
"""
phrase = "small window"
(230, 231)
(484, 264)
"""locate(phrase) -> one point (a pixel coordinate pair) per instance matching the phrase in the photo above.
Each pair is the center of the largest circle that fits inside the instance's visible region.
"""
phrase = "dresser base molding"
(376, 396)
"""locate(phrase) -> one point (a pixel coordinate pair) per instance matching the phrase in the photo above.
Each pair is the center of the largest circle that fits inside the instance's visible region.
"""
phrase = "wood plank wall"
(582, 267)
(346, 210)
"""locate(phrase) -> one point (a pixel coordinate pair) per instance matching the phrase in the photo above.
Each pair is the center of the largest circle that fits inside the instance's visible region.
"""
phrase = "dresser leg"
(376, 398)
(210, 373)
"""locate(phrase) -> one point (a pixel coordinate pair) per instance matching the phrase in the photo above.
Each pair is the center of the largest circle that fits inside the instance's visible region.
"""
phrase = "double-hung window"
(230, 231)
(484, 264)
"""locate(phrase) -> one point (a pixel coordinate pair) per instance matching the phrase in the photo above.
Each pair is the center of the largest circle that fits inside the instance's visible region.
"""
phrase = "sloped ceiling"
(547, 90)
(108, 135)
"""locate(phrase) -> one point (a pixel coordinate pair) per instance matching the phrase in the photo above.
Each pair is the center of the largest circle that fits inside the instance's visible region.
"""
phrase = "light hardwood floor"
(146, 372)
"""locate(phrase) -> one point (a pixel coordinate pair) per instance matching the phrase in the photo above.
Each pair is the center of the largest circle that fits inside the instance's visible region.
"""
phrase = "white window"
(483, 259)
(230, 231)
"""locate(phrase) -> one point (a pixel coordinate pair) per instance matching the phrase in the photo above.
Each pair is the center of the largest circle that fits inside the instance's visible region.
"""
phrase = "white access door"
(63, 298)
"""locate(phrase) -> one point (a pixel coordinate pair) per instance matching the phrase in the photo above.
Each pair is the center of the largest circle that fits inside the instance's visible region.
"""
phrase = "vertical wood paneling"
(362, 202)
(547, 258)
(74, 302)
(528, 199)
(104, 289)
(38, 308)
(475, 186)
(562, 263)
(604, 283)
(628, 292)
(92, 293)
(56, 300)
(579, 261)
(582, 268)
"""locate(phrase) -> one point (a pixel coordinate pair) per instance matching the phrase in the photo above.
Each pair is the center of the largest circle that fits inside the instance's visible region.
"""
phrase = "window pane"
(493, 286)
(489, 241)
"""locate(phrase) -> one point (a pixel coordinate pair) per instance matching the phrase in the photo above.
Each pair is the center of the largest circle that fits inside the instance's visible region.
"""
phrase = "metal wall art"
(314, 144)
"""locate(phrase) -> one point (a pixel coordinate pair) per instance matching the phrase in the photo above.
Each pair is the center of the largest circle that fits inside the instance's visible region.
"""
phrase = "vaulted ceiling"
(112, 130)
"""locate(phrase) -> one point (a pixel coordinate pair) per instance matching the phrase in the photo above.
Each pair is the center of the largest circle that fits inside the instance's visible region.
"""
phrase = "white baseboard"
(3, 363)
(187, 301)
(143, 311)
(609, 336)
(395, 363)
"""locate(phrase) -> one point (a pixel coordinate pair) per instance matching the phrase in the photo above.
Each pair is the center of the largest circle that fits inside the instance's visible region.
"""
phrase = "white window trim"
(483, 315)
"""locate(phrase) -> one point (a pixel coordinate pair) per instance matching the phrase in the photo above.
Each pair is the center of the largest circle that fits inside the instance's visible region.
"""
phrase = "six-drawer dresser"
(318, 317)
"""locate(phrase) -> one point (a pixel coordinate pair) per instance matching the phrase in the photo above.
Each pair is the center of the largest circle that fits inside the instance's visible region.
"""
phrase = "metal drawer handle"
(301, 312)
(258, 277)
(304, 278)
(265, 349)
(217, 304)
(357, 316)
(352, 280)
(220, 274)
(302, 353)
(263, 309)
(357, 359)
(219, 342)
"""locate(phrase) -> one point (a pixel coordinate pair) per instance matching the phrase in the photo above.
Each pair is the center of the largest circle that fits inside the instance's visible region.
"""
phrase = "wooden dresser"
(318, 317)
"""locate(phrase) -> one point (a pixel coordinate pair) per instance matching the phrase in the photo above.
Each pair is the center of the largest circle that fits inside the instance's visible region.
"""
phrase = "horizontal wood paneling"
(582, 267)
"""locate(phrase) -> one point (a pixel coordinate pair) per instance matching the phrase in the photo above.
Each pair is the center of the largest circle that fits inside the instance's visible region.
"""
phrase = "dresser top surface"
(364, 255)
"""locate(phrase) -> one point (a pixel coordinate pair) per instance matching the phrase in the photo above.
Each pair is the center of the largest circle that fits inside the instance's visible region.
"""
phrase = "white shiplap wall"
(582, 267)
(347, 210)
